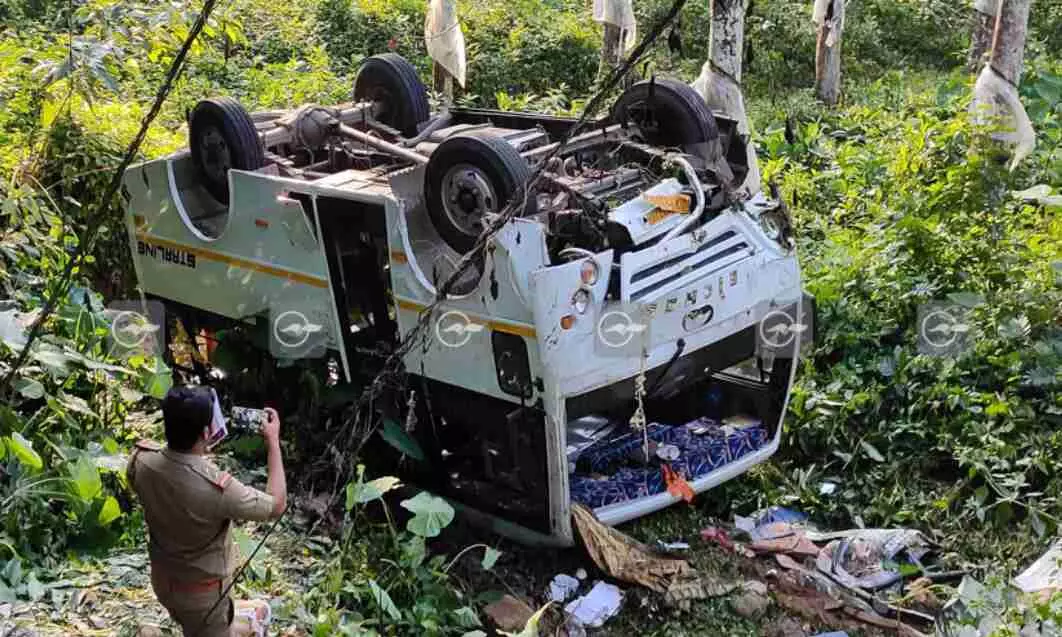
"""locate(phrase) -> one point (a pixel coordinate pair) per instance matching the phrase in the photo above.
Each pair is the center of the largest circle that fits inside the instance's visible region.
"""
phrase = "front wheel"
(468, 176)
(222, 138)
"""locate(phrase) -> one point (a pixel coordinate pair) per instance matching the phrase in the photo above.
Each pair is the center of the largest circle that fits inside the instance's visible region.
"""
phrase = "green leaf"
(85, 478)
(414, 551)
(467, 618)
(110, 511)
(383, 600)
(872, 451)
(34, 589)
(12, 572)
(490, 558)
(431, 514)
(966, 299)
(3, 449)
(399, 439)
(156, 380)
(22, 449)
(29, 387)
(76, 404)
(1037, 524)
(369, 491)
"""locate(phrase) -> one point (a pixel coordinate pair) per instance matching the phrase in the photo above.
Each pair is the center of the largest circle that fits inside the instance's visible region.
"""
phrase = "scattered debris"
(562, 587)
(508, 613)
(717, 535)
(631, 561)
(785, 627)
(596, 607)
(1043, 576)
(752, 601)
(673, 547)
(580, 574)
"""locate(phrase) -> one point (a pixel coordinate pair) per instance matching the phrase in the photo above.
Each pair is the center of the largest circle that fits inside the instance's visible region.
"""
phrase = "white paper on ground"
(618, 13)
(562, 587)
(1044, 573)
(444, 38)
(596, 607)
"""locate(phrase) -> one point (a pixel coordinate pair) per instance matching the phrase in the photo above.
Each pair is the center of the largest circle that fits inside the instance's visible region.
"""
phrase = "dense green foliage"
(898, 200)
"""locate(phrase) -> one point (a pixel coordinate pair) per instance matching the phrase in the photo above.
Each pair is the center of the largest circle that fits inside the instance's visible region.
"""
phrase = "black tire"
(668, 113)
(222, 137)
(392, 81)
(491, 157)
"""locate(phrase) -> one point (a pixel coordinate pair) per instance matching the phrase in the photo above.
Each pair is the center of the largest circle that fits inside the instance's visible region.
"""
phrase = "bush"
(525, 46)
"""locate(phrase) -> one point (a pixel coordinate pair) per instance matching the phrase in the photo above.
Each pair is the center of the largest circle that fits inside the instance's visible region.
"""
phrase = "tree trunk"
(611, 49)
(720, 79)
(984, 21)
(829, 14)
(995, 95)
(1008, 41)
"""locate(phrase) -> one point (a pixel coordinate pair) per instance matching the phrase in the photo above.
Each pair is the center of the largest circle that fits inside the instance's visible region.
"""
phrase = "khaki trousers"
(188, 605)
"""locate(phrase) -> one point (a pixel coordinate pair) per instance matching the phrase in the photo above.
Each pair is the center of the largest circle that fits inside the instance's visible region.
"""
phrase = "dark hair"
(186, 411)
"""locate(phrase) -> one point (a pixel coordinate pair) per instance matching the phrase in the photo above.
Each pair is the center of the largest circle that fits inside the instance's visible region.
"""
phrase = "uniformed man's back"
(189, 505)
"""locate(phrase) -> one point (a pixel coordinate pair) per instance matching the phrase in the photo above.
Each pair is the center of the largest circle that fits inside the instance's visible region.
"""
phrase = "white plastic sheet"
(618, 13)
(596, 607)
(444, 38)
(987, 7)
(994, 97)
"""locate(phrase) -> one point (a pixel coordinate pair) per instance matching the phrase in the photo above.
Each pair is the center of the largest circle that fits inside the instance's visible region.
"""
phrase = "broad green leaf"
(85, 478)
(110, 511)
(12, 572)
(23, 450)
(872, 451)
(76, 404)
(383, 600)
(966, 299)
(34, 589)
(467, 618)
(431, 514)
(490, 558)
(399, 439)
(156, 380)
(3, 449)
(369, 491)
(29, 387)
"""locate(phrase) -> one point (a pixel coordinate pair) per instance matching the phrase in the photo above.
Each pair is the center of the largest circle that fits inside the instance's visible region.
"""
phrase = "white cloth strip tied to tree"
(995, 95)
(620, 14)
(444, 39)
(996, 104)
(720, 80)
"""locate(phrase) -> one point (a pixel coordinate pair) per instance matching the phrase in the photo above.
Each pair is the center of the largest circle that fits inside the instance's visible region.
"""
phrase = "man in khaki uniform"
(189, 505)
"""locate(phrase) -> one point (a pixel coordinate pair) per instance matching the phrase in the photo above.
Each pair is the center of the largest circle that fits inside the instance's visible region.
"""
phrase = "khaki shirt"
(189, 504)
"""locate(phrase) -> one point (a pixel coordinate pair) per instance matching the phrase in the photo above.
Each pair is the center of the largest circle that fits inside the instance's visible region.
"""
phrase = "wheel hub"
(467, 197)
(214, 153)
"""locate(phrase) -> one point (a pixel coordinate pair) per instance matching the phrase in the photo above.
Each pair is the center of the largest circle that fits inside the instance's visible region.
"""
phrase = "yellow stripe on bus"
(246, 264)
(509, 328)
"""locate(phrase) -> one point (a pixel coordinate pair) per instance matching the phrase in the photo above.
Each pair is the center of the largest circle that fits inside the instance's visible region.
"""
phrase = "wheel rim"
(214, 154)
(643, 115)
(467, 197)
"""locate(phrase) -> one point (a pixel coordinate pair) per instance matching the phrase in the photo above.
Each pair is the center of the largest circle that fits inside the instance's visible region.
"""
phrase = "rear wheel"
(223, 137)
(392, 82)
(667, 113)
(468, 176)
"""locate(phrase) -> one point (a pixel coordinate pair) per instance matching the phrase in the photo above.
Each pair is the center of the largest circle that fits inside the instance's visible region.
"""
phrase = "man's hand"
(277, 484)
(271, 427)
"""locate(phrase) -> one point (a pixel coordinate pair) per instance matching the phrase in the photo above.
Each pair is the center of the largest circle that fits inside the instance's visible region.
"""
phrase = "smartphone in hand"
(247, 419)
